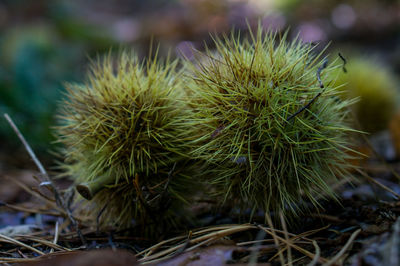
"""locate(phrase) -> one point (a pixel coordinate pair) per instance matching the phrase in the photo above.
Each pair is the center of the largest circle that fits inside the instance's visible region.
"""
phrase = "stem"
(89, 189)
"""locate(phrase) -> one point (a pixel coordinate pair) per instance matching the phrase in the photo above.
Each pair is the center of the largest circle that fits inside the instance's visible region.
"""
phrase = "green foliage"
(259, 155)
(127, 133)
(33, 62)
(375, 86)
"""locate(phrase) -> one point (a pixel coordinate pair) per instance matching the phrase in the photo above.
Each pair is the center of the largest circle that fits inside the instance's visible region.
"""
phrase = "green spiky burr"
(375, 86)
(127, 134)
(275, 130)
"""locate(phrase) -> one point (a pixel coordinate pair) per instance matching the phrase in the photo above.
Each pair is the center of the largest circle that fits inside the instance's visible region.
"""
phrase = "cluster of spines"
(255, 115)
(123, 132)
(259, 154)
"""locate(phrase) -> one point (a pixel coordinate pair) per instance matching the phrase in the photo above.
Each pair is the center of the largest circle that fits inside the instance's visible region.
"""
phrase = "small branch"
(27, 147)
(59, 199)
(304, 107)
(321, 85)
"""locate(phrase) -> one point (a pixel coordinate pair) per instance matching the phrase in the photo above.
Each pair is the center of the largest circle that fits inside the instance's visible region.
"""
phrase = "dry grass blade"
(317, 254)
(289, 250)
(294, 236)
(45, 243)
(19, 243)
(16, 260)
(170, 256)
(300, 249)
(308, 233)
(27, 210)
(372, 180)
(55, 236)
(256, 248)
(343, 250)
(254, 241)
(207, 235)
(275, 237)
(147, 252)
(199, 240)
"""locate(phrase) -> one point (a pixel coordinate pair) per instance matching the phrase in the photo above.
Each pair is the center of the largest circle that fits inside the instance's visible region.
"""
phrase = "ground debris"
(380, 250)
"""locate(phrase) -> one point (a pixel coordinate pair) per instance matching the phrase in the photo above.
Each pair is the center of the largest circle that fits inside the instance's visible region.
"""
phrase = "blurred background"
(44, 43)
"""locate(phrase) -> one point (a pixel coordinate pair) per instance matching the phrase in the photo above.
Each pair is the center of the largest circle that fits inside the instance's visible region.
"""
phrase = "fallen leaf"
(102, 257)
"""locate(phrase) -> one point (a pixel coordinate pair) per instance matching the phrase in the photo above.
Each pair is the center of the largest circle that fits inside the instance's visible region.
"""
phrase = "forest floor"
(39, 228)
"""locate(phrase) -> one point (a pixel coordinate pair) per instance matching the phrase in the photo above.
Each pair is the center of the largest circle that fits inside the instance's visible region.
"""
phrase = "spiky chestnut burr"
(274, 128)
(126, 134)
(375, 85)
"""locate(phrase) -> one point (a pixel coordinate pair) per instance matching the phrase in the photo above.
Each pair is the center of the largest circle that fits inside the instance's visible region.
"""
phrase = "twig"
(27, 147)
(304, 107)
(321, 85)
(343, 250)
(59, 199)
